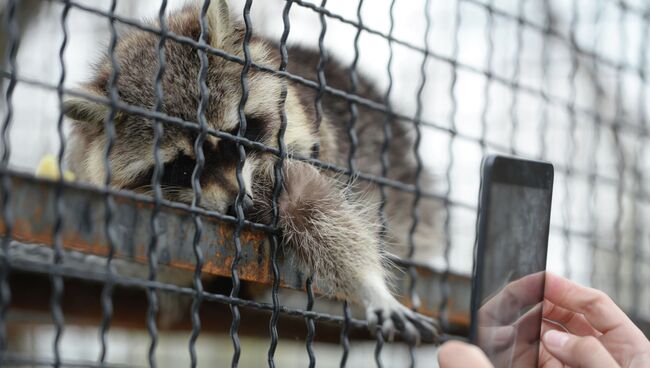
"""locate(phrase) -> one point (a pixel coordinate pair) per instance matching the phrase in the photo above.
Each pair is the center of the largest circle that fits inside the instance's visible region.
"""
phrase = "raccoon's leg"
(337, 240)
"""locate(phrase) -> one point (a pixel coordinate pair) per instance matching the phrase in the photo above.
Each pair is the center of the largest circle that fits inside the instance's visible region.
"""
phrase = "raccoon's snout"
(247, 205)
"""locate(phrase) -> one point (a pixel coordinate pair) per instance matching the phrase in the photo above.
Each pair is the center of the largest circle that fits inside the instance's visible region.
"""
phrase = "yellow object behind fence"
(48, 168)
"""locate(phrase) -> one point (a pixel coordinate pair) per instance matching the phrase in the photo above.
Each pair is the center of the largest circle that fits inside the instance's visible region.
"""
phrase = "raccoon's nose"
(247, 205)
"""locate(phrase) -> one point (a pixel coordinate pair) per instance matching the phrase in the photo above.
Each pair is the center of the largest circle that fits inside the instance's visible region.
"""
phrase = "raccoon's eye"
(178, 173)
(255, 128)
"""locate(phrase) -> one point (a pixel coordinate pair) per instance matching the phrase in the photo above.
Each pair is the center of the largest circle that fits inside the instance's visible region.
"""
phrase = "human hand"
(599, 333)
(508, 328)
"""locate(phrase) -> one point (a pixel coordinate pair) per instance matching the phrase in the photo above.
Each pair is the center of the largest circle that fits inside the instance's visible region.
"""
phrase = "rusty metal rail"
(32, 207)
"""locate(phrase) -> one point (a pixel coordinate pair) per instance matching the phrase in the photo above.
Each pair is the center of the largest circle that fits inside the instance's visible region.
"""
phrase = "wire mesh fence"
(414, 94)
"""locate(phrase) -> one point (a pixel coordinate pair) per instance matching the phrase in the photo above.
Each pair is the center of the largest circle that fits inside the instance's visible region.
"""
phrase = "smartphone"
(510, 259)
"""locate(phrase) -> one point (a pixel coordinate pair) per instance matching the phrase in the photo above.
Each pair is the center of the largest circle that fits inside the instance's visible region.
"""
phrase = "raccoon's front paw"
(392, 317)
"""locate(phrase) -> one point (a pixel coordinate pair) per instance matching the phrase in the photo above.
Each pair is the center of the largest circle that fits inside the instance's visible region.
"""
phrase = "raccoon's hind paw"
(392, 318)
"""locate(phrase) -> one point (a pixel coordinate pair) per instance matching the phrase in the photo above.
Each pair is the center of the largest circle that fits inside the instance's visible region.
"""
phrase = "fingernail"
(555, 339)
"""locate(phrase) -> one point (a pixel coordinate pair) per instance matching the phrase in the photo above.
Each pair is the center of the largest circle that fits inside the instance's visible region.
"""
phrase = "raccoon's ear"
(218, 17)
(80, 109)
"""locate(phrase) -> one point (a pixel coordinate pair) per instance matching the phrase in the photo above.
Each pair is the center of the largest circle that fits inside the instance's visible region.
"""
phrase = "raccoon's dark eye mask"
(178, 173)
(255, 128)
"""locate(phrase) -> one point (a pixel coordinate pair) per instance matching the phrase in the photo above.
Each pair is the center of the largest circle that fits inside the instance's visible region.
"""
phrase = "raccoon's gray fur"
(332, 227)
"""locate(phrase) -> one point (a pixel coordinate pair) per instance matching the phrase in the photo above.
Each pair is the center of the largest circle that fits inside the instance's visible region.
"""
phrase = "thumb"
(578, 351)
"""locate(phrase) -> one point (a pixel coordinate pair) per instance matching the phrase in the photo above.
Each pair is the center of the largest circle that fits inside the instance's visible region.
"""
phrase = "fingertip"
(578, 351)
(555, 340)
(451, 349)
(454, 354)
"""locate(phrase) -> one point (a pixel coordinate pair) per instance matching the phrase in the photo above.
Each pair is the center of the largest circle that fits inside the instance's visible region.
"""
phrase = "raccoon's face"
(132, 155)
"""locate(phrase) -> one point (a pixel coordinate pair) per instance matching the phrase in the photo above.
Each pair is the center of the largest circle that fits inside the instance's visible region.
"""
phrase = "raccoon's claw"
(395, 318)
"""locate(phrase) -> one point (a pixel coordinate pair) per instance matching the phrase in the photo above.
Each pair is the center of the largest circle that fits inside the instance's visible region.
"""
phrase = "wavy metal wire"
(354, 111)
(571, 146)
(640, 178)
(12, 32)
(204, 94)
(322, 85)
(311, 327)
(354, 141)
(57, 281)
(320, 71)
(380, 341)
(415, 213)
(156, 178)
(239, 209)
(593, 166)
(514, 116)
(545, 58)
(489, 61)
(444, 318)
(277, 190)
(387, 131)
(345, 334)
(621, 162)
(109, 203)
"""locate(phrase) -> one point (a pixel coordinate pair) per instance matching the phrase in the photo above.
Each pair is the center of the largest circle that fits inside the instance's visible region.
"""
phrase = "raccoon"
(330, 224)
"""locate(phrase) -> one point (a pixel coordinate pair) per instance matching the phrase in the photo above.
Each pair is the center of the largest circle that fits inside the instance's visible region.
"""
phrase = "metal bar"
(18, 360)
(32, 206)
(73, 271)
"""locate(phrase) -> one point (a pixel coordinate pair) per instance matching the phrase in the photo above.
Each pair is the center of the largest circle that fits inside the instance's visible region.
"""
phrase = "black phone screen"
(510, 259)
